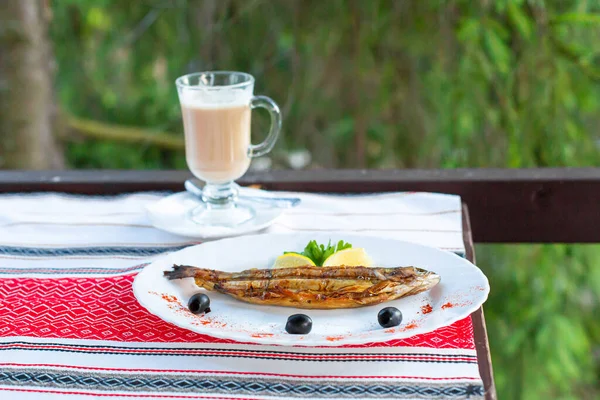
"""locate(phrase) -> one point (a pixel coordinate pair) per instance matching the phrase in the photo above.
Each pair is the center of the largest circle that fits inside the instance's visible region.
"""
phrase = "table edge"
(482, 346)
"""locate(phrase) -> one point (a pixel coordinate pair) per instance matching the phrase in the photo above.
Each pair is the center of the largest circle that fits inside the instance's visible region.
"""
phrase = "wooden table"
(115, 182)
(484, 358)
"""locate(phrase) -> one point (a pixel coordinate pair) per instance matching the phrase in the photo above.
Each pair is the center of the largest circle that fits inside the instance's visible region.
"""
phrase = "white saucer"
(172, 214)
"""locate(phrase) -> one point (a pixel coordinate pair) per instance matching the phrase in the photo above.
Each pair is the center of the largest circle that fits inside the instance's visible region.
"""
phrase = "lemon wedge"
(352, 257)
(292, 260)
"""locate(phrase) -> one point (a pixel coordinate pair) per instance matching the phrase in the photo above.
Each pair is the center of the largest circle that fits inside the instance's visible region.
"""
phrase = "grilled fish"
(312, 287)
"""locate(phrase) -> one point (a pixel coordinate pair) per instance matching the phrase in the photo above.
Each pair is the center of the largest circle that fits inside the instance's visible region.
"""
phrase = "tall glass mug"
(217, 108)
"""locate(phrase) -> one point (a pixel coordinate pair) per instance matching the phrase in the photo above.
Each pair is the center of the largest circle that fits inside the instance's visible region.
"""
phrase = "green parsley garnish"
(318, 253)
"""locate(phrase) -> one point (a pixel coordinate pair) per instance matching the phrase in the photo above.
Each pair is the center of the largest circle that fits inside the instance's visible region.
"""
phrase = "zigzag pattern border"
(189, 383)
(150, 250)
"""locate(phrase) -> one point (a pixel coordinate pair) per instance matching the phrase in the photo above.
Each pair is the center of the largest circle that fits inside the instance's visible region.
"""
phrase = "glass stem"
(220, 196)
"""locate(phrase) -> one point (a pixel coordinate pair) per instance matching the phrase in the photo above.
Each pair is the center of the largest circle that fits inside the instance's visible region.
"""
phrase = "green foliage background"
(376, 83)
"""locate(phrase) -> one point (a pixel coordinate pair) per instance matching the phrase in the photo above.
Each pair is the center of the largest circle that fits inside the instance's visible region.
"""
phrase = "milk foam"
(215, 98)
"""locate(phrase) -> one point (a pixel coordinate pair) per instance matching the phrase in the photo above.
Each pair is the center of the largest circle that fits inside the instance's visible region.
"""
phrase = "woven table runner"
(70, 326)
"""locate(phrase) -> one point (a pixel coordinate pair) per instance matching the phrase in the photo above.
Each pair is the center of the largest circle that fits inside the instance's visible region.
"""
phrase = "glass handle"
(257, 150)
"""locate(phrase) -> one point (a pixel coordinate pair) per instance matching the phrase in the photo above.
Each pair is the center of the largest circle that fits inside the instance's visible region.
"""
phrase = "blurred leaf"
(468, 29)
(342, 129)
(98, 19)
(577, 18)
(286, 41)
(498, 50)
(519, 19)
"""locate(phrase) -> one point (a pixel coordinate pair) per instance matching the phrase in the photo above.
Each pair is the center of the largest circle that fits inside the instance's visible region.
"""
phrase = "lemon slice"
(352, 257)
(292, 260)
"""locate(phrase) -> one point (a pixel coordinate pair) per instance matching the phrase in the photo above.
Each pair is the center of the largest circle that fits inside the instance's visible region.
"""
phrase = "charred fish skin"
(367, 273)
(312, 287)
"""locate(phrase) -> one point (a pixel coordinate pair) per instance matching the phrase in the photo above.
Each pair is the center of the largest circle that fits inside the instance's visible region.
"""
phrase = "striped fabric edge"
(277, 223)
(136, 251)
(387, 354)
(219, 385)
(39, 394)
(87, 197)
(382, 195)
(63, 271)
(234, 373)
(288, 213)
(370, 214)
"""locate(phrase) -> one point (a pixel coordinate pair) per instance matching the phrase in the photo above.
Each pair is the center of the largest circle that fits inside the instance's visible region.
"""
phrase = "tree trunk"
(206, 13)
(28, 110)
(356, 87)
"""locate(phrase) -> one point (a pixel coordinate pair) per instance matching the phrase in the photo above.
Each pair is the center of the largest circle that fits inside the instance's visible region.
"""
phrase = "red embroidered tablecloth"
(70, 326)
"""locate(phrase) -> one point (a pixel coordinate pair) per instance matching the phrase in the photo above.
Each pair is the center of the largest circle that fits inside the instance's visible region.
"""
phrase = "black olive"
(199, 303)
(298, 324)
(389, 316)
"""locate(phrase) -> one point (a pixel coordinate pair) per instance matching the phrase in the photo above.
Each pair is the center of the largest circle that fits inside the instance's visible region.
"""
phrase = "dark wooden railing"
(551, 205)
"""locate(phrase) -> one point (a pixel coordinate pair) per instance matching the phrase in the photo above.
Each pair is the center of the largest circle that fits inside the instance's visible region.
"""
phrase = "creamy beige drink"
(217, 141)
(216, 108)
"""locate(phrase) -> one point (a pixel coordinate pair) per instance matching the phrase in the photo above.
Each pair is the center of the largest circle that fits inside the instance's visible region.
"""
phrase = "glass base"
(231, 216)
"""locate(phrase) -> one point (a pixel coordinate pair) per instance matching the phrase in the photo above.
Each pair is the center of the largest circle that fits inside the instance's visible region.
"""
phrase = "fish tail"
(180, 272)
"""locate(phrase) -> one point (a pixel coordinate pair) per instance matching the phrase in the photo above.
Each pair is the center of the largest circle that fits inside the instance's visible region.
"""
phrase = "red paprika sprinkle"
(169, 298)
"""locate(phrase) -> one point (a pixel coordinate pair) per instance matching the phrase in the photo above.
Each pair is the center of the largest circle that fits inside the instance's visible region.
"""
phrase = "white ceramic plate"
(172, 214)
(463, 288)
